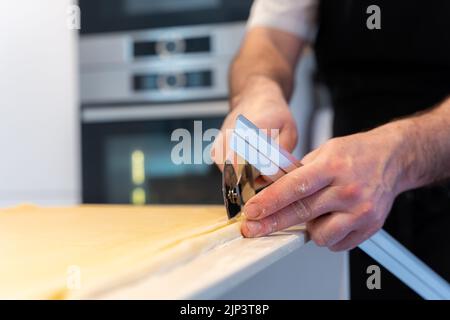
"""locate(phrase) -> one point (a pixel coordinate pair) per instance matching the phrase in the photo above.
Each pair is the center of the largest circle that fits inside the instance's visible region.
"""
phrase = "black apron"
(375, 76)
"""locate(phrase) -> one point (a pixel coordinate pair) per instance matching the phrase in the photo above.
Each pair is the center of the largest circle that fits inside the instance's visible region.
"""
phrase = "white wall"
(38, 104)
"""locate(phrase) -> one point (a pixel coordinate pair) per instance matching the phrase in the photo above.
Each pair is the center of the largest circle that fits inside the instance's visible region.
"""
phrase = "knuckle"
(306, 205)
(335, 164)
(350, 192)
(301, 185)
(337, 229)
(367, 208)
(302, 210)
(271, 224)
(370, 219)
(319, 238)
(265, 227)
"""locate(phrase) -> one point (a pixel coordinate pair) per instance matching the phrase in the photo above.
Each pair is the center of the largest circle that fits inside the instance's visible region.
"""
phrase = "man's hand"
(343, 192)
(261, 81)
(346, 188)
(262, 103)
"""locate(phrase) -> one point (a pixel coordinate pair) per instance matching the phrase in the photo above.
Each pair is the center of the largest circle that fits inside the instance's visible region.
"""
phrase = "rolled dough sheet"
(79, 252)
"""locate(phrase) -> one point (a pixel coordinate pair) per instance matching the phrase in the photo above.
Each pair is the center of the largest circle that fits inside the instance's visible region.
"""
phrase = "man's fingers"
(293, 214)
(275, 222)
(328, 199)
(352, 240)
(298, 184)
(328, 230)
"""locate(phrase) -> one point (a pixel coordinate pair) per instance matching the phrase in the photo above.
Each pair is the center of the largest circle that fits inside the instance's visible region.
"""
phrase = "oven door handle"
(120, 113)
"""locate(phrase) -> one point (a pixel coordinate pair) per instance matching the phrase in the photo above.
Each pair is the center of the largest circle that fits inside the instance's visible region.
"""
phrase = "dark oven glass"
(130, 162)
(118, 15)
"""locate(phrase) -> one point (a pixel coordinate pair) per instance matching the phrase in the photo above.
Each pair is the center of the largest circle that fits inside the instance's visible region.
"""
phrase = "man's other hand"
(343, 192)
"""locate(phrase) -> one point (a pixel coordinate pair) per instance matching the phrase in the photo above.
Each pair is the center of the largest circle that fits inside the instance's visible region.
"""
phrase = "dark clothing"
(375, 76)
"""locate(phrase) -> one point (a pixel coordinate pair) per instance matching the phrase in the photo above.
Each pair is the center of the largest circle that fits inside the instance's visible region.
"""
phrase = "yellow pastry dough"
(56, 253)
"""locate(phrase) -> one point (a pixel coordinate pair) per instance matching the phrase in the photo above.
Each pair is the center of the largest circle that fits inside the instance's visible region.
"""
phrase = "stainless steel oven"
(148, 67)
(127, 154)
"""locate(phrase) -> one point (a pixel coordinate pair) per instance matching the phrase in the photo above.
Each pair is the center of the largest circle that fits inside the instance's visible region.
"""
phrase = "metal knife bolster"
(258, 154)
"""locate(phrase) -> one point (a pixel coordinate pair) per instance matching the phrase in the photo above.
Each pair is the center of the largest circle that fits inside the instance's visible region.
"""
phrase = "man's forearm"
(425, 147)
(266, 63)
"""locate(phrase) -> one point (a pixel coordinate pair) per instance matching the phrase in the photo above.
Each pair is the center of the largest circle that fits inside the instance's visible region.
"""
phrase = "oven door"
(128, 154)
(119, 15)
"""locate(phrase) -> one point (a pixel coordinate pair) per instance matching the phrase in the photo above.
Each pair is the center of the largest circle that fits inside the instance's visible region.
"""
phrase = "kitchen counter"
(242, 269)
(158, 252)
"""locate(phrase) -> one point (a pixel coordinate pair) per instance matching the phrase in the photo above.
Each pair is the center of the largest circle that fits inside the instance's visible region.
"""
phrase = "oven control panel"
(158, 65)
